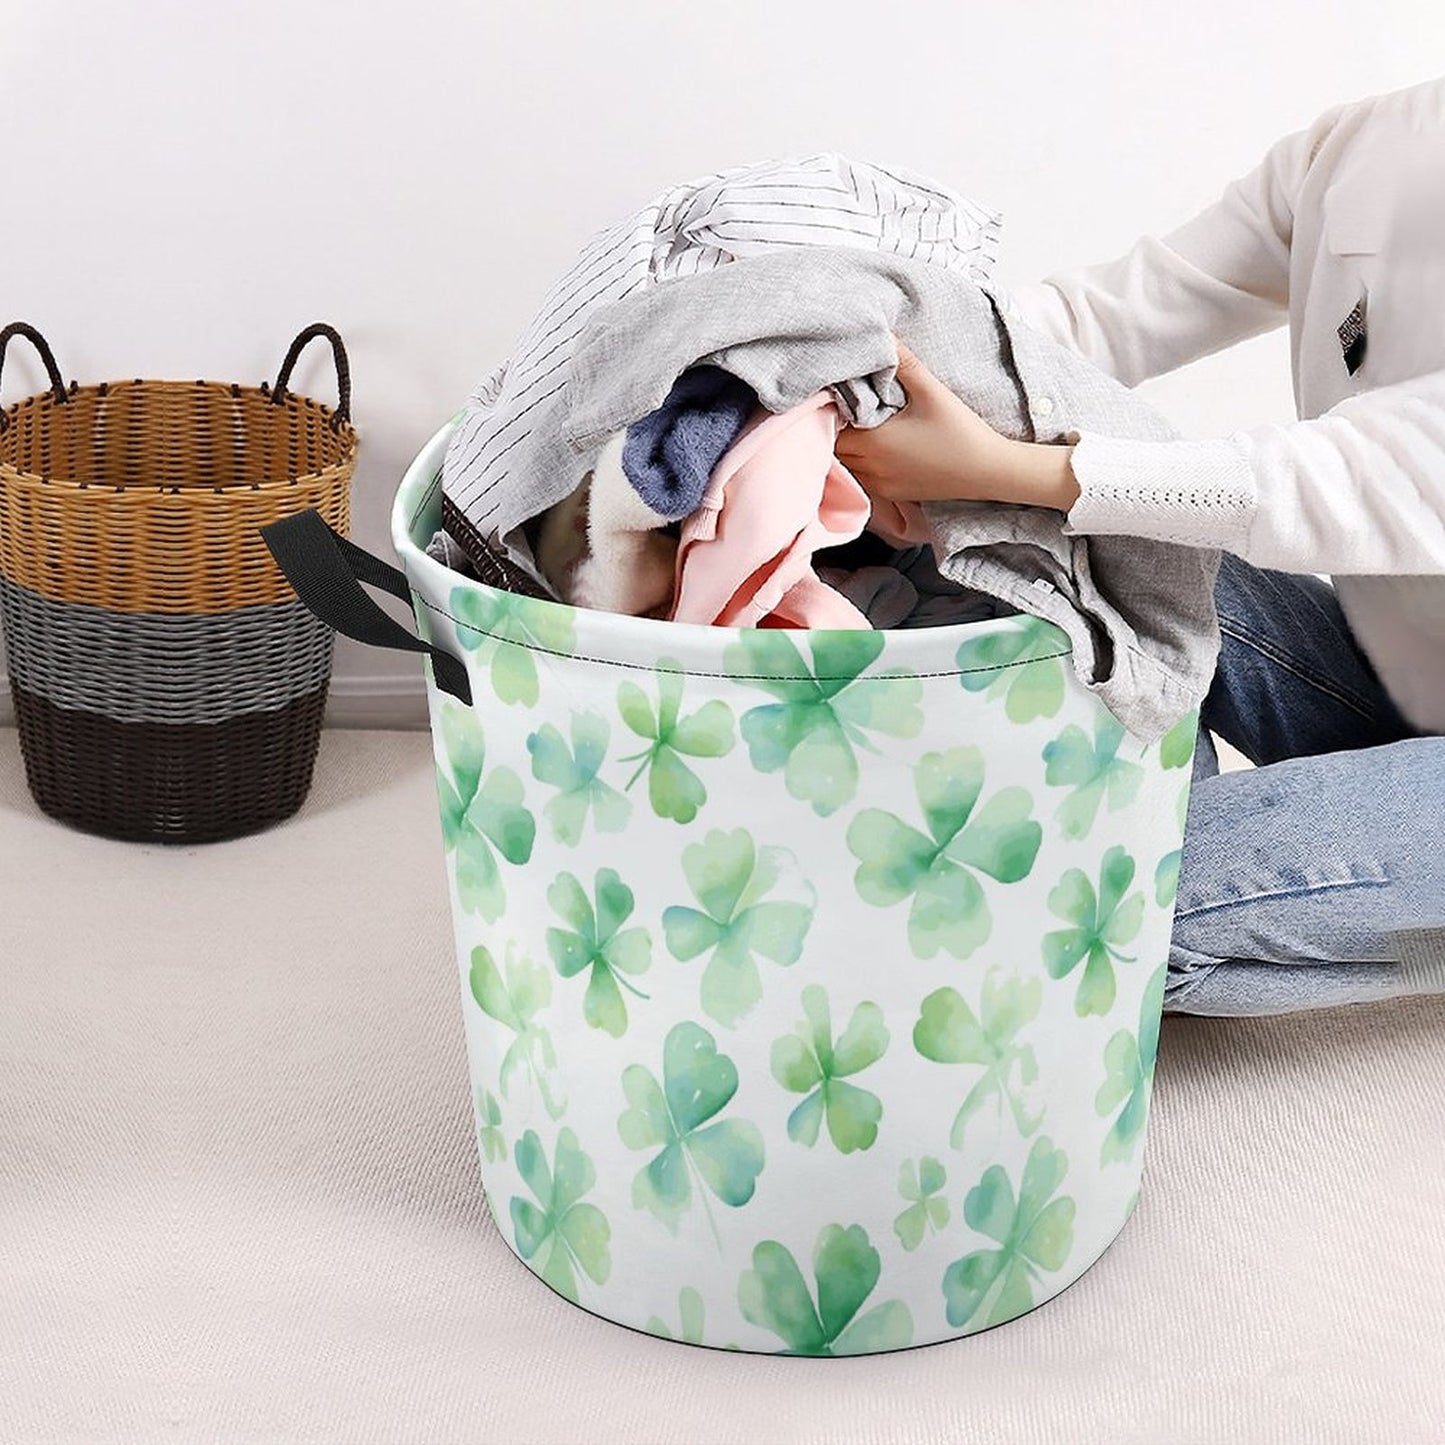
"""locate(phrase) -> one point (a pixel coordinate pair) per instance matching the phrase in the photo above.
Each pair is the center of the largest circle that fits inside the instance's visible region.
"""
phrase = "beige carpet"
(239, 1198)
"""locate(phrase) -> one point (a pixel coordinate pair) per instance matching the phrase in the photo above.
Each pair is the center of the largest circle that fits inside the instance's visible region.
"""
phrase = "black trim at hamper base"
(168, 782)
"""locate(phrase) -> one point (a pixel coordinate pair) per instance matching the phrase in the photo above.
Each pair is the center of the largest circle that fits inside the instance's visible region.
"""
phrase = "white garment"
(628, 565)
(822, 200)
(1351, 208)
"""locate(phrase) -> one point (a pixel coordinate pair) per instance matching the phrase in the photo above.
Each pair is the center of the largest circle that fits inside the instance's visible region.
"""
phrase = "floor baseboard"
(397, 703)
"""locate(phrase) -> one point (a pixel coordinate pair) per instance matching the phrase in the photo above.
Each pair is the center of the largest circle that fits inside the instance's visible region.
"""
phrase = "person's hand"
(937, 448)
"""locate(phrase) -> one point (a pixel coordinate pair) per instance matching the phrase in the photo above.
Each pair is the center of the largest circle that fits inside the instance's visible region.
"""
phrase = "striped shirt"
(822, 200)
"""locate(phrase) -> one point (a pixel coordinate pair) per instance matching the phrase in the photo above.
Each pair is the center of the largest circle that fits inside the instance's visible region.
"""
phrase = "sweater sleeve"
(1357, 490)
(1216, 280)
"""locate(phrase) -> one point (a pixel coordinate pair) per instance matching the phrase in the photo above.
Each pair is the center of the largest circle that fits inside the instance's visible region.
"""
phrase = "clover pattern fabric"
(811, 980)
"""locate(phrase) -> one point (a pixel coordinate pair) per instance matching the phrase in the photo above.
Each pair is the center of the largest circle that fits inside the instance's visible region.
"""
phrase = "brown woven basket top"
(146, 496)
(163, 435)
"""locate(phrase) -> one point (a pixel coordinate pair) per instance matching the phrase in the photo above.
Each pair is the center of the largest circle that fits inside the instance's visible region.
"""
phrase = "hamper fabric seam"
(733, 676)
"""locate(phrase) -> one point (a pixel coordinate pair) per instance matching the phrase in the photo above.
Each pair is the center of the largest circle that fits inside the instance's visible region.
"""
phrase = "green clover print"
(822, 714)
(774, 1296)
(674, 790)
(1166, 874)
(563, 1235)
(690, 1317)
(573, 772)
(479, 817)
(948, 1032)
(808, 1062)
(936, 869)
(928, 1211)
(731, 877)
(507, 628)
(489, 1127)
(1176, 747)
(1093, 770)
(598, 941)
(1023, 662)
(697, 1084)
(1103, 923)
(990, 1286)
(515, 1004)
(1166, 878)
(1129, 1064)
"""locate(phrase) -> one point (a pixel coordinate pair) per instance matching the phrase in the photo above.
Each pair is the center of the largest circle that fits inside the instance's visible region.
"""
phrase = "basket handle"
(25, 329)
(343, 368)
(327, 571)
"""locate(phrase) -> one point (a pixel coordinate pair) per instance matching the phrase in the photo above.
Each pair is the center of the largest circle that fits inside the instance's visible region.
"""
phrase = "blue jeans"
(1299, 877)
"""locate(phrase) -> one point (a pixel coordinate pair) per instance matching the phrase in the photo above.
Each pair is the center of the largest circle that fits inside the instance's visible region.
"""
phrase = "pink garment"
(900, 523)
(777, 496)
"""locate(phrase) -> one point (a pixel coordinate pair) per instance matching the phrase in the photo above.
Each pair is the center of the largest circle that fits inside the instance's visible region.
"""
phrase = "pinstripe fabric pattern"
(822, 200)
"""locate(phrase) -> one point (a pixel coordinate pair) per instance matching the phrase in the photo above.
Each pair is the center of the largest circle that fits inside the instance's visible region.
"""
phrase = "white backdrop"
(187, 184)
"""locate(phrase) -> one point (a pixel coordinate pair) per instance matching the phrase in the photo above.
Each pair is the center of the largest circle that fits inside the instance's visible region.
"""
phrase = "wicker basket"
(168, 686)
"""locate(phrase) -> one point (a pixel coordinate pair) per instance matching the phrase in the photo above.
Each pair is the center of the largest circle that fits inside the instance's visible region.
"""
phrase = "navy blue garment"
(670, 453)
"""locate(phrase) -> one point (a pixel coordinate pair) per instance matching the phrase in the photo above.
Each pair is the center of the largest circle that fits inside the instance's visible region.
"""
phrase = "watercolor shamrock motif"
(690, 1318)
(506, 629)
(1176, 747)
(949, 1032)
(559, 1234)
(823, 715)
(1034, 1232)
(598, 943)
(490, 1139)
(1129, 1074)
(1023, 662)
(927, 1210)
(482, 815)
(811, 1063)
(936, 869)
(1093, 771)
(724, 1156)
(1102, 922)
(774, 1295)
(573, 770)
(739, 920)
(673, 789)
(1166, 873)
(514, 1001)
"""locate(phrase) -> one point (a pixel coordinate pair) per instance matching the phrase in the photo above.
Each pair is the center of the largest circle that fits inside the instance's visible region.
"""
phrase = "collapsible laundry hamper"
(812, 980)
(168, 686)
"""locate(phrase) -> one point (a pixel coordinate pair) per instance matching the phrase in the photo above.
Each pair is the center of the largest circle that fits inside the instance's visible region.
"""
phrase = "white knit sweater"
(1350, 209)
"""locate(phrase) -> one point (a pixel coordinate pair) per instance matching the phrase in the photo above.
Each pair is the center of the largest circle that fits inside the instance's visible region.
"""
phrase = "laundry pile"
(661, 444)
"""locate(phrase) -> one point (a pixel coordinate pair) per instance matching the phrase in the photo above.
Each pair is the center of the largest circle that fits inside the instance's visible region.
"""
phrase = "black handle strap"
(326, 570)
(25, 329)
(343, 368)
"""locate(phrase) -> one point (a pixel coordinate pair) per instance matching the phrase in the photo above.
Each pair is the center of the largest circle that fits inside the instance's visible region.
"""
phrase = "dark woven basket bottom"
(169, 782)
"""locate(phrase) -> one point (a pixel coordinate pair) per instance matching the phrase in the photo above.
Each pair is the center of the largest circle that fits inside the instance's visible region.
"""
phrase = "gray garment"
(689, 229)
(1139, 614)
(486, 565)
(881, 593)
(445, 549)
(908, 591)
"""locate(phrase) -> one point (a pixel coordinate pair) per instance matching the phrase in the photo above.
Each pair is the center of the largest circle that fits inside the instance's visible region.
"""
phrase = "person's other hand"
(935, 448)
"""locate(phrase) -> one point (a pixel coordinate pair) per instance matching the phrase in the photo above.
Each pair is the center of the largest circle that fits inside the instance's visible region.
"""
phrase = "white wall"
(188, 183)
